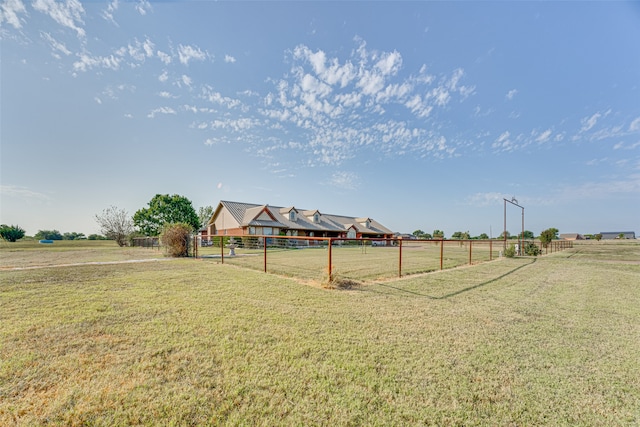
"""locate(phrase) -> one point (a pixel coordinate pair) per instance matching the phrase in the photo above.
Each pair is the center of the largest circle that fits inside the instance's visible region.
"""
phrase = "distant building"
(571, 236)
(610, 235)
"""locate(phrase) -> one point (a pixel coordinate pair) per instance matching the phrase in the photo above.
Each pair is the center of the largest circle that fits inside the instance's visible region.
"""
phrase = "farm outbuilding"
(245, 219)
(611, 235)
(571, 236)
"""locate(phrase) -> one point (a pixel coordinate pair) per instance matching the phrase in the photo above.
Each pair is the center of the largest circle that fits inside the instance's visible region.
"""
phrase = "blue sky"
(421, 115)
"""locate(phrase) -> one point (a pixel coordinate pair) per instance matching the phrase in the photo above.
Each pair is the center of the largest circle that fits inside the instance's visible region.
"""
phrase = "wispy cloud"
(68, 14)
(9, 11)
(107, 13)
(485, 199)
(23, 193)
(161, 110)
(229, 59)
(56, 46)
(629, 184)
(590, 121)
(511, 94)
(143, 7)
(543, 137)
(345, 180)
(188, 53)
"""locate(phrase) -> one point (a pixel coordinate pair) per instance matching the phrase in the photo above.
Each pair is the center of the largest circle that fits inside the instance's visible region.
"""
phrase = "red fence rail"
(324, 258)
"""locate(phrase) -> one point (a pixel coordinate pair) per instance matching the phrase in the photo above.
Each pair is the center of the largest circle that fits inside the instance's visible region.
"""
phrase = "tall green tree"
(165, 209)
(438, 234)
(204, 213)
(548, 235)
(418, 233)
(527, 234)
(11, 233)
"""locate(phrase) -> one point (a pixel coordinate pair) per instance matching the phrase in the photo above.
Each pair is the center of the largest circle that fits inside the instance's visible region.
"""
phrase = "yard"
(551, 340)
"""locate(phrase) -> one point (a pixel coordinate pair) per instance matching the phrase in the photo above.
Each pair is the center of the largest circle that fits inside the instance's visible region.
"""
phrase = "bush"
(532, 249)
(510, 252)
(176, 239)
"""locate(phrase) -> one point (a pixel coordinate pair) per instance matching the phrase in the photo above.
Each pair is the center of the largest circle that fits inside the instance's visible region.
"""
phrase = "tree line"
(116, 224)
(545, 236)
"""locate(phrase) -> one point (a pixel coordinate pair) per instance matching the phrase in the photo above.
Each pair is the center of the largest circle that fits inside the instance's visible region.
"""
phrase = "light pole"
(514, 202)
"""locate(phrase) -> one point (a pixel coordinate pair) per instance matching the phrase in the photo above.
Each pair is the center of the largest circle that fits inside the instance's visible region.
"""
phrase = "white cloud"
(229, 59)
(161, 110)
(56, 45)
(68, 14)
(164, 76)
(9, 12)
(635, 125)
(370, 82)
(390, 63)
(236, 125)
(164, 57)
(108, 13)
(186, 80)
(544, 136)
(88, 62)
(189, 53)
(511, 94)
(143, 6)
(217, 98)
(589, 122)
(503, 142)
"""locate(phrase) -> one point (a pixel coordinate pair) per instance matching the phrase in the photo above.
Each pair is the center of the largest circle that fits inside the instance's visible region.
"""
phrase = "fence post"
(264, 243)
(330, 266)
(399, 257)
(195, 246)
(490, 250)
(470, 245)
(441, 252)
(221, 248)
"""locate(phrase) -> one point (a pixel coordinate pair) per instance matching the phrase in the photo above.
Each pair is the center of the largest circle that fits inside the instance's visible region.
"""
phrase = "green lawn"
(531, 341)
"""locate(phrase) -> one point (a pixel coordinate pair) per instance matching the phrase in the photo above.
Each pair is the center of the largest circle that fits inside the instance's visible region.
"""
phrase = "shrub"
(531, 249)
(176, 239)
(510, 252)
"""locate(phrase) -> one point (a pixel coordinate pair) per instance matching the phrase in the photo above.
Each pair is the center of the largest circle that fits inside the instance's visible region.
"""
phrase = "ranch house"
(242, 219)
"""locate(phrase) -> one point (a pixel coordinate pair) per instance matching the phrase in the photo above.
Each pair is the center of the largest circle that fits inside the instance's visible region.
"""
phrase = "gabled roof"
(249, 214)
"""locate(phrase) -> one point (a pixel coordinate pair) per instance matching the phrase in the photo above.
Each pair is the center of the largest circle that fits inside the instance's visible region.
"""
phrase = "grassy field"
(27, 254)
(531, 341)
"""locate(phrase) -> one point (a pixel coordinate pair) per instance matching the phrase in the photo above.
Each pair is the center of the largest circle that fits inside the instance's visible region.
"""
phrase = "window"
(316, 217)
(292, 215)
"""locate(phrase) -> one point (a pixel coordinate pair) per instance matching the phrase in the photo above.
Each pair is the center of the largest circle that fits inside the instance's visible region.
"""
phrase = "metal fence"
(324, 258)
